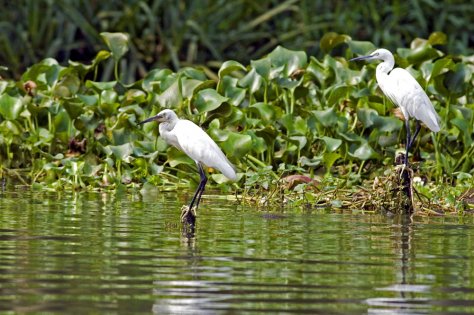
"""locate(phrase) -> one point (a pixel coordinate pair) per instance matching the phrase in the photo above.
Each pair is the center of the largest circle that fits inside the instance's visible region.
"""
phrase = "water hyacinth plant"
(284, 114)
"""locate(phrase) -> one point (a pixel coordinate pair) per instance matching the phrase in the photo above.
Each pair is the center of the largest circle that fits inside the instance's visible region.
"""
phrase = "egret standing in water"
(405, 92)
(192, 140)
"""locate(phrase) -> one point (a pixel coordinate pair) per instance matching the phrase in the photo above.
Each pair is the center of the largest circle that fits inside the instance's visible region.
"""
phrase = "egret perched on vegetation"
(404, 91)
(192, 140)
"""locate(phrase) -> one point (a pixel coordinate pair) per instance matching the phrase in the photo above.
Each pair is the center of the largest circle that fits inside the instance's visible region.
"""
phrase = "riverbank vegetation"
(301, 130)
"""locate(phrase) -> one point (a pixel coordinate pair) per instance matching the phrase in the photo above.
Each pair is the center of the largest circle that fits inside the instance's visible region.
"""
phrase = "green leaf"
(208, 100)
(456, 78)
(329, 158)
(228, 87)
(387, 124)
(10, 107)
(313, 162)
(367, 116)
(262, 67)
(236, 144)
(100, 86)
(117, 43)
(438, 38)
(364, 152)
(120, 152)
(441, 66)
(230, 66)
(188, 86)
(361, 47)
(265, 111)
(332, 144)
(152, 81)
(338, 92)
(252, 81)
(331, 40)
(172, 96)
(290, 60)
(177, 157)
(327, 117)
(73, 108)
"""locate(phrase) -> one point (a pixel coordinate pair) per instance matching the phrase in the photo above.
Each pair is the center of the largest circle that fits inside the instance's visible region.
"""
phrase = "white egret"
(404, 91)
(192, 140)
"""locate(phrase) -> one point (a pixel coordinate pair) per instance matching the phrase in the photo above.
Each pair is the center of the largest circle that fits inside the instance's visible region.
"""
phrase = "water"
(125, 254)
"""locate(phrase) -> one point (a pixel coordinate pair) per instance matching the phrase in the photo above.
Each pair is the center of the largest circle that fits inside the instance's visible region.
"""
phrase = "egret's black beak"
(154, 118)
(361, 58)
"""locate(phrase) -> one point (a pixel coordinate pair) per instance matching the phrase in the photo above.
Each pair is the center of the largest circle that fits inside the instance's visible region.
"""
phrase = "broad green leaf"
(455, 79)
(177, 157)
(192, 73)
(117, 43)
(329, 158)
(108, 96)
(290, 60)
(265, 111)
(120, 152)
(338, 92)
(262, 67)
(188, 86)
(228, 88)
(367, 116)
(313, 162)
(387, 124)
(100, 86)
(135, 96)
(171, 97)
(152, 81)
(317, 70)
(295, 125)
(74, 108)
(3, 86)
(418, 55)
(331, 40)
(10, 107)
(208, 100)
(70, 82)
(252, 81)
(327, 117)
(364, 152)
(441, 66)
(230, 66)
(208, 84)
(361, 47)
(236, 145)
(332, 144)
(300, 140)
(89, 100)
(437, 38)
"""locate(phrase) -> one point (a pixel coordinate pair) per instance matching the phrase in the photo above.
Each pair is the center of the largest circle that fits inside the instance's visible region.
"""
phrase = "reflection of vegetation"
(282, 114)
(176, 33)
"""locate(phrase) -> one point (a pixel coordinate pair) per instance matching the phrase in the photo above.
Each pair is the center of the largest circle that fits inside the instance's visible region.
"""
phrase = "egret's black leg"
(200, 189)
(407, 126)
(203, 184)
(418, 127)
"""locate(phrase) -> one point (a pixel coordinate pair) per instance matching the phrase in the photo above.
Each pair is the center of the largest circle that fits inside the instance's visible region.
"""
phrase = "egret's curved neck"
(168, 125)
(386, 66)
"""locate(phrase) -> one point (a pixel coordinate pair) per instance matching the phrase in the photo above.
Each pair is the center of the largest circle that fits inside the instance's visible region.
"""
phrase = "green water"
(125, 254)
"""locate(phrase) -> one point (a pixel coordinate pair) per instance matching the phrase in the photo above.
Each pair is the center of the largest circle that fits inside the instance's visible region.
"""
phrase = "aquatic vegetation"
(286, 113)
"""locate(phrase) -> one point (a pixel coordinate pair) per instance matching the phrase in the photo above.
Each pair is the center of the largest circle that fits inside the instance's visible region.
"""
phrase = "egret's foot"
(185, 213)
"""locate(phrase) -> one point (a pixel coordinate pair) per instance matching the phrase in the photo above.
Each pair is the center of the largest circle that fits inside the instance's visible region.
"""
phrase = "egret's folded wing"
(197, 144)
(406, 92)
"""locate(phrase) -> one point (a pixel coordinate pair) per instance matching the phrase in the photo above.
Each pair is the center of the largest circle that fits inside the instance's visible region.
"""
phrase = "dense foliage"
(178, 33)
(286, 113)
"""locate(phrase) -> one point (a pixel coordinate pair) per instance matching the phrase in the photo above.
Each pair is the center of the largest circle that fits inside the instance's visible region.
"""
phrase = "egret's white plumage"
(404, 91)
(194, 142)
